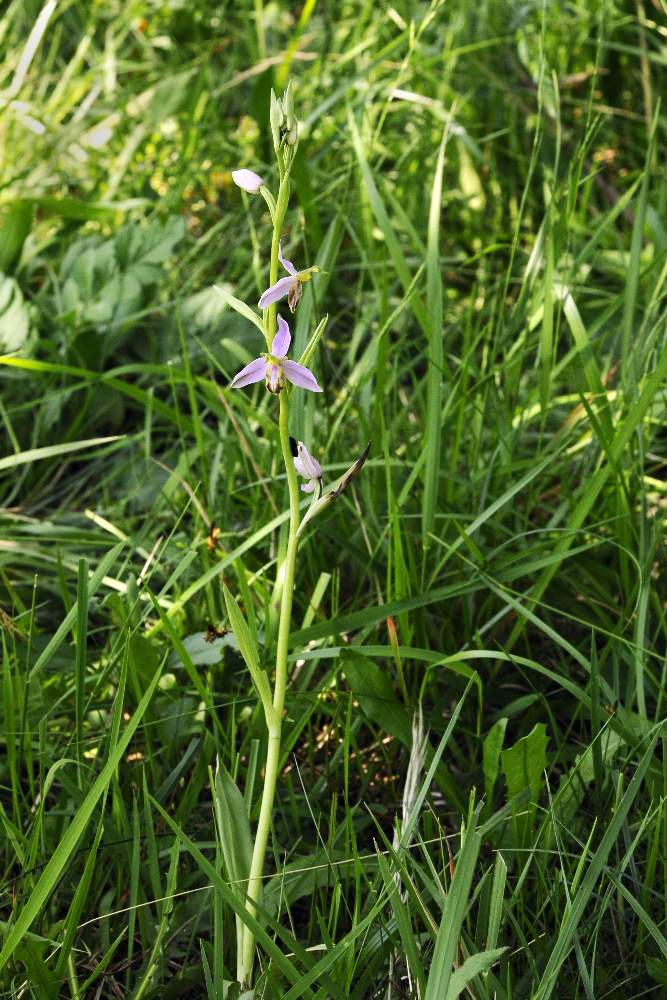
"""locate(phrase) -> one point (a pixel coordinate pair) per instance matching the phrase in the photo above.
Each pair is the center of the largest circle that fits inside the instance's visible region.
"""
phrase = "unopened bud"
(288, 107)
(290, 122)
(276, 118)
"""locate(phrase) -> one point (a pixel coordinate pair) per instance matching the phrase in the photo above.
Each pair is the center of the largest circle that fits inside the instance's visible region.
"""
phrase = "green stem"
(282, 200)
(275, 721)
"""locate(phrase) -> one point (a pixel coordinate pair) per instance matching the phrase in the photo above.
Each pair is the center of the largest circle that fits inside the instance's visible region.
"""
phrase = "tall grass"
(482, 185)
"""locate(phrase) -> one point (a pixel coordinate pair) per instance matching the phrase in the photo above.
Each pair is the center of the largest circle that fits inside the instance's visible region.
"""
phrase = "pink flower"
(275, 367)
(308, 467)
(291, 286)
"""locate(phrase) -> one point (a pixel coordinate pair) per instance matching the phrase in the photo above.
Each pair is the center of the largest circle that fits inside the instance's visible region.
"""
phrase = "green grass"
(482, 186)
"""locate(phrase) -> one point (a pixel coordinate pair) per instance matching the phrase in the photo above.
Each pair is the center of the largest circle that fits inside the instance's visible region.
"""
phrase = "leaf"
(204, 651)
(265, 940)
(14, 319)
(374, 690)
(300, 878)
(240, 307)
(52, 451)
(594, 484)
(142, 249)
(657, 969)
(203, 310)
(15, 225)
(574, 782)
(163, 99)
(233, 829)
(249, 651)
(473, 966)
(493, 744)
(524, 763)
(382, 218)
(58, 637)
(38, 972)
(314, 341)
(440, 978)
(107, 281)
(432, 428)
(86, 211)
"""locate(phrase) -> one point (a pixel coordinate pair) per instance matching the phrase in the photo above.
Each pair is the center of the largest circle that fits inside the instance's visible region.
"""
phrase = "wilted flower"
(291, 286)
(308, 467)
(275, 367)
(247, 179)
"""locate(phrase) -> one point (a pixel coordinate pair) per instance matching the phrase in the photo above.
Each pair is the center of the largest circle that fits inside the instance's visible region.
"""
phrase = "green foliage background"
(500, 560)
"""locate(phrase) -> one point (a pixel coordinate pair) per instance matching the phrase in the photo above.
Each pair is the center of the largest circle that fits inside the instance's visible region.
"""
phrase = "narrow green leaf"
(80, 659)
(453, 914)
(435, 352)
(383, 221)
(402, 916)
(240, 307)
(496, 901)
(593, 486)
(249, 651)
(15, 225)
(473, 966)
(53, 451)
(314, 341)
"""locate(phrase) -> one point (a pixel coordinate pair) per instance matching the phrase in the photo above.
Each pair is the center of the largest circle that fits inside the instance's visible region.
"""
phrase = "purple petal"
(308, 487)
(276, 292)
(287, 264)
(254, 372)
(305, 464)
(300, 375)
(282, 339)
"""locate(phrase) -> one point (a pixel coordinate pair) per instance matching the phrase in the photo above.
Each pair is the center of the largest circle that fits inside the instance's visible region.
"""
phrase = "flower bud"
(290, 122)
(288, 107)
(276, 119)
(247, 180)
(326, 499)
(308, 467)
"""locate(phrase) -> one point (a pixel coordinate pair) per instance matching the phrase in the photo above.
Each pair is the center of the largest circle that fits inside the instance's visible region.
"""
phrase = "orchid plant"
(282, 376)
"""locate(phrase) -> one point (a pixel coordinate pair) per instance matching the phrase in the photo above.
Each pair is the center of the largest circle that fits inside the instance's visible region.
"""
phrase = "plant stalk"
(275, 720)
